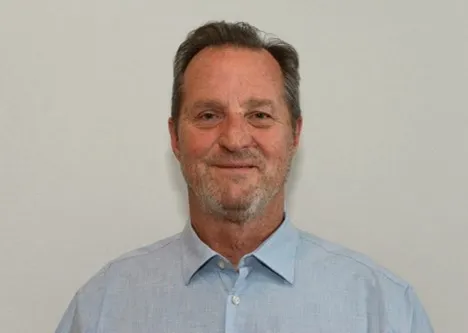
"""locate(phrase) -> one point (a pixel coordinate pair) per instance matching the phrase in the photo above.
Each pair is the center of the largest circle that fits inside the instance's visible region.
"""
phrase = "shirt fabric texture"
(294, 282)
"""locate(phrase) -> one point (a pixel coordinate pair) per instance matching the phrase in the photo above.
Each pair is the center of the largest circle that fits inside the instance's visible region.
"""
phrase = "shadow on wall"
(180, 188)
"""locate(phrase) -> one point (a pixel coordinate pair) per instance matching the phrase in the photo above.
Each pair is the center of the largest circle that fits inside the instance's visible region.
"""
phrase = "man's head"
(236, 119)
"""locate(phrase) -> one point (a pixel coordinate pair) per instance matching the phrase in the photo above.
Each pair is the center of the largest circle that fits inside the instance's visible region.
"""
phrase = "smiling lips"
(235, 167)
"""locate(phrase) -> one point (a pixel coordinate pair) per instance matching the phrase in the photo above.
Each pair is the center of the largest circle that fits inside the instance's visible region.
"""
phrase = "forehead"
(230, 73)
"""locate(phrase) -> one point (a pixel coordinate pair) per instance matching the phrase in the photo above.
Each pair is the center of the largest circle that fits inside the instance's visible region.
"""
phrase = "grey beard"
(243, 212)
(238, 215)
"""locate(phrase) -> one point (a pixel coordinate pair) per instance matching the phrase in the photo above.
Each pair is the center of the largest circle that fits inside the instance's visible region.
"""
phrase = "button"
(221, 264)
(235, 300)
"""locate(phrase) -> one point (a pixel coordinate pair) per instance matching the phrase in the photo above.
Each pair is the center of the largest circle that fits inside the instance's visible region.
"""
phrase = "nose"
(235, 133)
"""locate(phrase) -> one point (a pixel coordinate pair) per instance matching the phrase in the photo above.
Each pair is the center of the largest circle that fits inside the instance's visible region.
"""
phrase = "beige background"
(85, 167)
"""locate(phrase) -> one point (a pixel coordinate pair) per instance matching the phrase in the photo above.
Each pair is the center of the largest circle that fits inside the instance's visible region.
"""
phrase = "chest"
(212, 305)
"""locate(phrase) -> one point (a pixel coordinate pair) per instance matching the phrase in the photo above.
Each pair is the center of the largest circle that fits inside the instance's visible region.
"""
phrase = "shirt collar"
(195, 253)
(278, 252)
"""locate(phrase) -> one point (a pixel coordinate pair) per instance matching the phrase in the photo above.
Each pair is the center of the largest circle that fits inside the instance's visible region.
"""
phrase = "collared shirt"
(293, 283)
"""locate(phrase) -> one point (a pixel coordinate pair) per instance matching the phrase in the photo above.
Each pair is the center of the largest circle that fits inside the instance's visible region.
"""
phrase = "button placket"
(240, 285)
(233, 300)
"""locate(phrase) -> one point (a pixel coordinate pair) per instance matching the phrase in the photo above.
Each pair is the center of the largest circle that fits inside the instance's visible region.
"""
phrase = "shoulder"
(359, 277)
(155, 251)
(348, 263)
(137, 267)
(135, 264)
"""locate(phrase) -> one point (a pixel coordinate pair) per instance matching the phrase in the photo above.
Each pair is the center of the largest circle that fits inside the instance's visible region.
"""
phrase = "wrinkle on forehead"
(233, 75)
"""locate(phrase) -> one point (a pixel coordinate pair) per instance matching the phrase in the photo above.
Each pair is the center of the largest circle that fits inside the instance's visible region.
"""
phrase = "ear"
(297, 132)
(174, 137)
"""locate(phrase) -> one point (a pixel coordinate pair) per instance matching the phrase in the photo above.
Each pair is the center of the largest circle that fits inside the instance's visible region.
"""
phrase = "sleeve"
(419, 321)
(70, 322)
(84, 311)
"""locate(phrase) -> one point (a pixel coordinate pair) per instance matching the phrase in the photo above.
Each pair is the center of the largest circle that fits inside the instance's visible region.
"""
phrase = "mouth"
(235, 167)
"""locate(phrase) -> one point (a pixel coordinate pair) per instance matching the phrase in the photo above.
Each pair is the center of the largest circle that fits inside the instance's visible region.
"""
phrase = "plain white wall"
(86, 172)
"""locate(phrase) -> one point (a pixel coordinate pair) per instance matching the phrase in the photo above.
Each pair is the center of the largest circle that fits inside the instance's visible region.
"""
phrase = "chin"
(238, 193)
(240, 199)
(235, 202)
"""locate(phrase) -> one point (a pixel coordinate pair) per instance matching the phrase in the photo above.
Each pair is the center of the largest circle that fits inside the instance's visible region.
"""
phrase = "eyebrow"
(254, 103)
(251, 103)
(207, 104)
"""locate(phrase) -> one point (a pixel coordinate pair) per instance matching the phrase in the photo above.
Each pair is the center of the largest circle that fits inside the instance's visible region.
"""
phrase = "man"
(240, 265)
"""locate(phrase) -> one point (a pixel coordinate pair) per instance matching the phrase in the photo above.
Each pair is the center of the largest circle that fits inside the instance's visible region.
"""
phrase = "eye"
(261, 115)
(207, 119)
(207, 116)
(260, 119)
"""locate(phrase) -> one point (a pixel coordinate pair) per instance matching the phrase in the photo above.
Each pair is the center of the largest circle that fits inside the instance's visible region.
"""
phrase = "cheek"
(194, 147)
(277, 150)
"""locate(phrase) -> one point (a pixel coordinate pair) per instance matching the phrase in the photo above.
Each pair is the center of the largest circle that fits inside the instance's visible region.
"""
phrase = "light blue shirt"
(293, 283)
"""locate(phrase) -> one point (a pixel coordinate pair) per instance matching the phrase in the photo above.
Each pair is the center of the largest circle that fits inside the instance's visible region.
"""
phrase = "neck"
(234, 240)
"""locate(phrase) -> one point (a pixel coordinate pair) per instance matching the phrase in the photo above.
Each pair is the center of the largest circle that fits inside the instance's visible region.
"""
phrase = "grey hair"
(238, 34)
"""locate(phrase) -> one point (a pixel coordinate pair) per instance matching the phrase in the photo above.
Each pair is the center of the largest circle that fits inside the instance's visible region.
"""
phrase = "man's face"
(234, 139)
